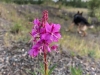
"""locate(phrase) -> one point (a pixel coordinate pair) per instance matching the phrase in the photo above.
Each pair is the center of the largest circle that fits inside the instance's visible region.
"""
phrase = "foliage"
(97, 13)
(93, 5)
(42, 71)
(24, 1)
(91, 53)
(74, 3)
(76, 71)
(72, 53)
(16, 28)
(80, 46)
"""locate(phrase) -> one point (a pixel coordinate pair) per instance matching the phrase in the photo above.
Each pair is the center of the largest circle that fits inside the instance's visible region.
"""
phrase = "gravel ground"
(16, 61)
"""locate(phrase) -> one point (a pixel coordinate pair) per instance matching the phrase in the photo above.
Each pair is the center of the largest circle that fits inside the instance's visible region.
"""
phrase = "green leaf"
(33, 73)
(51, 69)
(41, 68)
(79, 71)
(73, 71)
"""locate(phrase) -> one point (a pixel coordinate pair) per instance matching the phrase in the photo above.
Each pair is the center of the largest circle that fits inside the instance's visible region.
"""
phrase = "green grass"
(76, 71)
(91, 53)
(72, 42)
(80, 46)
(20, 24)
(16, 28)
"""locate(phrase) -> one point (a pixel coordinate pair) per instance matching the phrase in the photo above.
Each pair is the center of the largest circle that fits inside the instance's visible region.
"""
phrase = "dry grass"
(81, 46)
(75, 44)
(11, 15)
(71, 9)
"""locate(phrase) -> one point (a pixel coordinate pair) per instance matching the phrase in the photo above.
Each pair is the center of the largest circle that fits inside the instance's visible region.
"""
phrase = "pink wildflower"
(36, 28)
(52, 32)
(54, 47)
(43, 35)
(44, 43)
(34, 51)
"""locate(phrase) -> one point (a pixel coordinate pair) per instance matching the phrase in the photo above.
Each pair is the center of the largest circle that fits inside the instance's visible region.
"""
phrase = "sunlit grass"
(20, 24)
(75, 71)
(74, 43)
(80, 46)
(71, 9)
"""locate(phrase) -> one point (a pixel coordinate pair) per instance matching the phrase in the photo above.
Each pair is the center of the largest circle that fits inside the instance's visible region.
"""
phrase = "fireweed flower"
(52, 32)
(44, 43)
(34, 51)
(43, 35)
(54, 47)
(36, 28)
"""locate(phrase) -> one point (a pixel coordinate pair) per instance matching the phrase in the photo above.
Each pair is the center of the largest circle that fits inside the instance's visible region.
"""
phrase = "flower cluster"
(43, 34)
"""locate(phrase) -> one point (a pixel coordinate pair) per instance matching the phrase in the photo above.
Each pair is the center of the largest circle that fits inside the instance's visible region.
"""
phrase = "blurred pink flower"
(54, 47)
(36, 28)
(36, 22)
(34, 51)
(44, 43)
(43, 34)
(52, 32)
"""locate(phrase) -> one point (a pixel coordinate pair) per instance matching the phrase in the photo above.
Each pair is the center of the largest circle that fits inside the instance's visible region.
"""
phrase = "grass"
(91, 53)
(21, 24)
(71, 9)
(7, 40)
(80, 46)
(75, 71)
(16, 28)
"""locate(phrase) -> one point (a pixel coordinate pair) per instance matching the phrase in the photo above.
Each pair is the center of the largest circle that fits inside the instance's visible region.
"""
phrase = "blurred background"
(16, 18)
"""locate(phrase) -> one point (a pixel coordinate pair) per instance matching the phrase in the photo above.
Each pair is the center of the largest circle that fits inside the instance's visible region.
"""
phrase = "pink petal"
(46, 23)
(48, 27)
(46, 36)
(58, 35)
(38, 44)
(54, 38)
(42, 31)
(36, 22)
(36, 52)
(56, 28)
(33, 32)
(54, 47)
(31, 53)
(48, 48)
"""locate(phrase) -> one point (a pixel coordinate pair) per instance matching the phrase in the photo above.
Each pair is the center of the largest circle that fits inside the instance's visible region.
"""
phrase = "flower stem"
(45, 63)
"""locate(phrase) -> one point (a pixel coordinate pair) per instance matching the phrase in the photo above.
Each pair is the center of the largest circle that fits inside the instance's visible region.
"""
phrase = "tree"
(93, 5)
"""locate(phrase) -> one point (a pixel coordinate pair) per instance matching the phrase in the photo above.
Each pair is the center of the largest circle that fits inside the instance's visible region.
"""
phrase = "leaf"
(79, 71)
(73, 71)
(33, 73)
(41, 68)
(51, 69)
